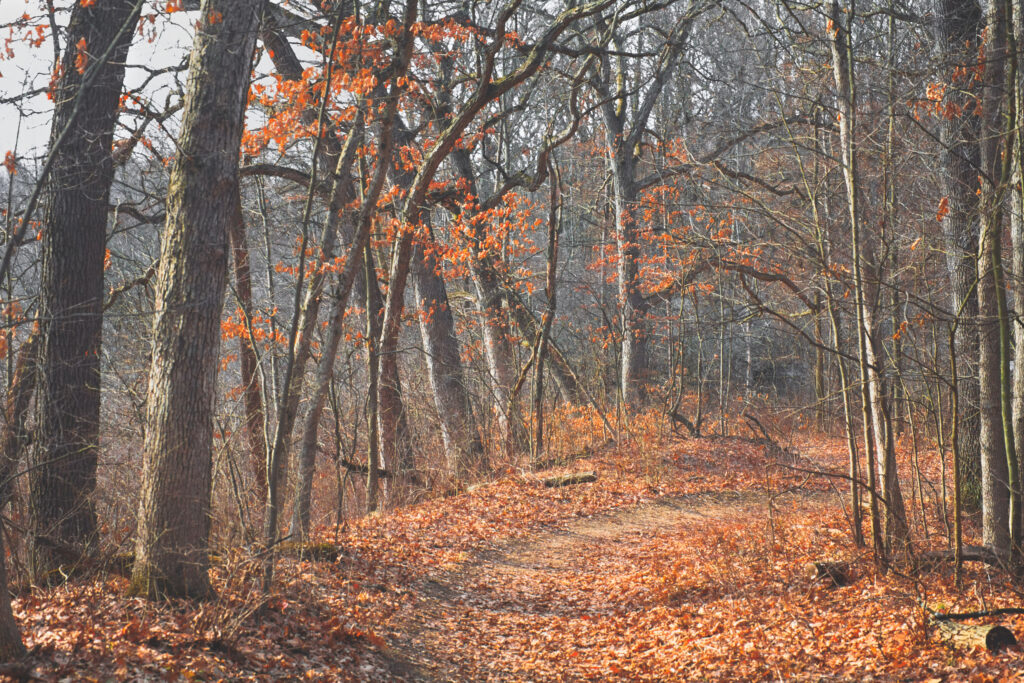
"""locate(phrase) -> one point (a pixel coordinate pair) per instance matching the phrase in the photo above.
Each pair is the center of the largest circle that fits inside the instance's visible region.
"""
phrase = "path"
(449, 631)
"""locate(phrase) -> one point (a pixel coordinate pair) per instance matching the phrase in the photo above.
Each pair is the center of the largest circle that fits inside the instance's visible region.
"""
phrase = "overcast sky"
(30, 68)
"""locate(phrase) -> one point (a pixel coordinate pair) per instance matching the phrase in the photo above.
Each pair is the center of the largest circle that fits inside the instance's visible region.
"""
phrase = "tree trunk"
(459, 428)
(340, 294)
(995, 471)
(957, 30)
(252, 387)
(12, 443)
(14, 437)
(842, 63)
(71, 302)
(171, 556)
(490, 296)
(396, 450)
(897, 532)
(373, 430)
(340, 159)
(11, 647)
(389, 405)
(991, 637)
(1017, 240)
(551, 293)
(633, 308)
(337, 221)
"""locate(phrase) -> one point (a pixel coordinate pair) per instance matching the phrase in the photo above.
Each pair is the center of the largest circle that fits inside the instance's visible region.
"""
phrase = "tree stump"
(830, 573)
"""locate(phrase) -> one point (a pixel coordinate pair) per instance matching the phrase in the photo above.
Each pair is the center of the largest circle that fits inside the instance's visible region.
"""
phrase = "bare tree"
(71, 303)
(171, 557)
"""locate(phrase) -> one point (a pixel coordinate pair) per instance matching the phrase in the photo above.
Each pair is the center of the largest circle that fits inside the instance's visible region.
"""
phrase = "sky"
(163, 43)
(30, 68)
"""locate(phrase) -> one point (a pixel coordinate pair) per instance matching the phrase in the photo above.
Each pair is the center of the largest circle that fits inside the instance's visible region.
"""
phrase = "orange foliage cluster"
(262, 331)
(81, 56)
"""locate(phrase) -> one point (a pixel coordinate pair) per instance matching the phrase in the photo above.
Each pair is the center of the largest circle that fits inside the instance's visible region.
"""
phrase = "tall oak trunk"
(171, 555)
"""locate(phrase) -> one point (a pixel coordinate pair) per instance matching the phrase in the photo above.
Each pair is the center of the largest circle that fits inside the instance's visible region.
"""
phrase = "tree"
(878, 435)
(957, 31)
(173, 530)
(86, 103)
(626, 115)
(1001, 514)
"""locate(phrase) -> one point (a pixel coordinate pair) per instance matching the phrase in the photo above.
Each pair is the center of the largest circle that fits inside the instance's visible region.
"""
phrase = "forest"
(511, 340)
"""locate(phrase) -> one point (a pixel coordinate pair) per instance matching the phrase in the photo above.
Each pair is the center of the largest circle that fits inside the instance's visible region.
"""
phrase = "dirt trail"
(433, 638)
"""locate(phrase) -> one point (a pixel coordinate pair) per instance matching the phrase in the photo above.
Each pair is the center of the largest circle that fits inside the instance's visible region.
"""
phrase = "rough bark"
(633, 308)
(14, 437)
(390, 412)
(11, 646)
(171, 556)
(71, 300)
(493, 318)
(995, 472)
(396, 449)
(459, 429)
(572, 479)
(991, 637)
(551, 292)
(1017, 241)
(957, 30)
(12, 443)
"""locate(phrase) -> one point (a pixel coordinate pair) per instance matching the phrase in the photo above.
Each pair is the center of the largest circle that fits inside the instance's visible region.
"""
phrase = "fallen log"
(992, 637)
(933, 559)
(314, 552)
(829, 572)
(570, 479)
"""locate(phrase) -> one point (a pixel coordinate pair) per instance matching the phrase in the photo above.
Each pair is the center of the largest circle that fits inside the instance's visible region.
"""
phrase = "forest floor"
(685, 560)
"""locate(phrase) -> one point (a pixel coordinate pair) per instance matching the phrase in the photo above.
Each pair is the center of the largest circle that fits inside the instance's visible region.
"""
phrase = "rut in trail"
(438, 636)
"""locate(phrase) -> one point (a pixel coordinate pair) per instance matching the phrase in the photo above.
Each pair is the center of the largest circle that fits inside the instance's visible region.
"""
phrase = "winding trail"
(440, 635)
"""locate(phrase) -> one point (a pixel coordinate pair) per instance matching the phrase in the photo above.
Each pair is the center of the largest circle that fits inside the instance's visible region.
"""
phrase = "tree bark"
(1017, 241)
(995, 472)
(460, 431)
(252, 386)
(871, 394)
(957, 29)
(171, 556)
(11, 646)
(12, 443)
(493, 319)
(14, 437)
(623, 136)
(63, 475)
(969, 636)
(396, 449)
(459, 428)
(633, 312)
